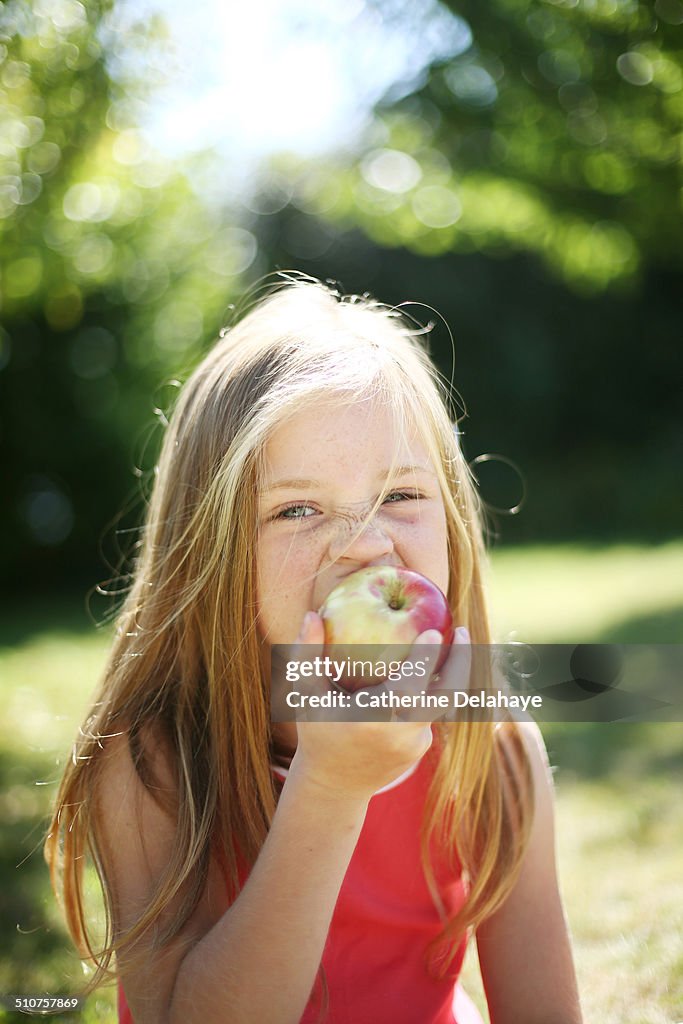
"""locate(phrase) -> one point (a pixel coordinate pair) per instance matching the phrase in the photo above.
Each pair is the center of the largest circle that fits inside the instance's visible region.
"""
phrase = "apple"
(387, 606)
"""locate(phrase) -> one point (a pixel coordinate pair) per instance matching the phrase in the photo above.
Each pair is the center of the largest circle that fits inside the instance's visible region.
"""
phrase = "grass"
(620, 831)
(571, 594)
(619, 841)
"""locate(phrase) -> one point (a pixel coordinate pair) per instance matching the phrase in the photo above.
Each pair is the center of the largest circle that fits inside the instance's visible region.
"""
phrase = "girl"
(312, 870)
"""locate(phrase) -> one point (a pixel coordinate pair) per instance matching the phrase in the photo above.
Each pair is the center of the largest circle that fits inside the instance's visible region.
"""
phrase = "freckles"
(426, 534)
(421, 527)
(290, 560)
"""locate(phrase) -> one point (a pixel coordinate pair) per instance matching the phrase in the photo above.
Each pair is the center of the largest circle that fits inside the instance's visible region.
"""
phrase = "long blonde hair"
(186, 653)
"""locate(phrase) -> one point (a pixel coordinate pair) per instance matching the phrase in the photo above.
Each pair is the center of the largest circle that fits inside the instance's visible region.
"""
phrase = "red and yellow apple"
(386, 606)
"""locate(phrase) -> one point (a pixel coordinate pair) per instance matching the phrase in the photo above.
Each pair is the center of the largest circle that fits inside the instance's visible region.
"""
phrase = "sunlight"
(272, 76)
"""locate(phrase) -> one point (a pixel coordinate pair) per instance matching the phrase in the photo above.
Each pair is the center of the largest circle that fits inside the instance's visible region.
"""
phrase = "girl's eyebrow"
(301, 482)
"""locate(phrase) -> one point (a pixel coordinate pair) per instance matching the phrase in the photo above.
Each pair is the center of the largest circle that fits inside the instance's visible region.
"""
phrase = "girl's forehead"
(344, 430)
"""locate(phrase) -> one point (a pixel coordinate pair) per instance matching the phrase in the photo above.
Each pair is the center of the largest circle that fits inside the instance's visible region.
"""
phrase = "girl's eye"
(301, 511)
(295, 512)
(400, 496)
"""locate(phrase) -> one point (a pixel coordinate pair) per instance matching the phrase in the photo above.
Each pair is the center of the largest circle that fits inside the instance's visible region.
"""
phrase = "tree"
(114, 274)
(554, 127)
(528, 189)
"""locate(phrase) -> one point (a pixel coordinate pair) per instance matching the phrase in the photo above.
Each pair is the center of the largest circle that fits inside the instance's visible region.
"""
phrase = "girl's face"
(325, 467)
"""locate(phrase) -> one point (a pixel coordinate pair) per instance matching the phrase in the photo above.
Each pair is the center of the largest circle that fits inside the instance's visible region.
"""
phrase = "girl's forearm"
(258, 964)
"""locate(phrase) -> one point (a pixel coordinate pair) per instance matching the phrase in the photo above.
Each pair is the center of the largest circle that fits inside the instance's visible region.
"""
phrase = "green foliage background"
(528, 188)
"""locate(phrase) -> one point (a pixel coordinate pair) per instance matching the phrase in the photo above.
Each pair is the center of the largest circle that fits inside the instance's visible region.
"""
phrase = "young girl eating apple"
(314, 870)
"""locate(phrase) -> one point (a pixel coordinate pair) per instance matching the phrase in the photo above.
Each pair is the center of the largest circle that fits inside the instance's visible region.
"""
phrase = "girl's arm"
(524, 950)
(255, 961)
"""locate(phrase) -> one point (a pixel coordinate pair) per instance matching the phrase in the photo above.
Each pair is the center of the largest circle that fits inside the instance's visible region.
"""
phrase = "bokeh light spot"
(23, 276)
(43, 157)
(436, 206)
(94, 254)
(635, 68)
(588, 129)
(46, 510)
(178, 327)
(559, 67)
(88, 201)
(31, 187)
(231, 252)
(391, 170)
(471, 84)
(66, 15)
(128, 148)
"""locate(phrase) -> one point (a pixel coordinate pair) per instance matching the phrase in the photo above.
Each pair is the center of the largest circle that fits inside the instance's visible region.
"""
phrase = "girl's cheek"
(298, 552)
(307, 535)
(301, 540)
(418, 526)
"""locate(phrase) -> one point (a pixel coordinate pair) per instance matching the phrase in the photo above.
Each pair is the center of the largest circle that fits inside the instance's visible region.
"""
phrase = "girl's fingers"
(455, 672)
(311, 639)
(431, 638)
(417, 671)
(307, 647)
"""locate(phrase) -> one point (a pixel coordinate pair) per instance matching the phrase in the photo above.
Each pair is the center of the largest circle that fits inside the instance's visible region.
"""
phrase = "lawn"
(619, 826)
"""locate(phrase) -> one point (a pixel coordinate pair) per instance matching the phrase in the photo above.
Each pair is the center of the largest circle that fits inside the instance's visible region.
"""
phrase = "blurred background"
(512, 170)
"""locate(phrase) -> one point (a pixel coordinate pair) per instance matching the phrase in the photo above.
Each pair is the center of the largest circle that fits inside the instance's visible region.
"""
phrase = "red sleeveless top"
(384, 919)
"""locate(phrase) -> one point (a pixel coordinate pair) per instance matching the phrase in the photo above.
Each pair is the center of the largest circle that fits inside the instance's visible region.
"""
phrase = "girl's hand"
(359, 757)
(455, 673)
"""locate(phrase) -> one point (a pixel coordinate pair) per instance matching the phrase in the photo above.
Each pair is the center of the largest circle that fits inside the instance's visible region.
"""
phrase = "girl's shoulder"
(133, 795)
(137, 839)
(133, 757)
(525, 769)
(135, 820)
(523, 739)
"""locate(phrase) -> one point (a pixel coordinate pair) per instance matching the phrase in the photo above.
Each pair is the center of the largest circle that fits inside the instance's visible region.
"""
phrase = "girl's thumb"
(305, 625)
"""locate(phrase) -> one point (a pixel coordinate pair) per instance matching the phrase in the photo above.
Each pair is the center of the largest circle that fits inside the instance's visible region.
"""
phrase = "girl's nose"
(357, 543)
